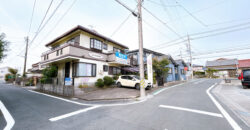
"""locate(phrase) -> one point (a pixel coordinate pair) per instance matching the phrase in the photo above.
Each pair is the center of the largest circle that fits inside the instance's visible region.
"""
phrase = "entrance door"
(67, 69)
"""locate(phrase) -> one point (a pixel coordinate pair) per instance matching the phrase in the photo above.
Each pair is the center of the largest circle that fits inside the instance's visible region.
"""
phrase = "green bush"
(7, 77)
(99, 83)
(108, 80)
(116, 76)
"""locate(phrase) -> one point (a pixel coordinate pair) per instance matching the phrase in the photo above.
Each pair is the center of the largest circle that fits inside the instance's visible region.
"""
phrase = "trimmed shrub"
(108, 81)
(99, 83)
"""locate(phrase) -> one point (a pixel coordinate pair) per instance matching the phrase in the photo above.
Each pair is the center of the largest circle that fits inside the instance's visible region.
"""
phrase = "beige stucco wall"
(91, 80)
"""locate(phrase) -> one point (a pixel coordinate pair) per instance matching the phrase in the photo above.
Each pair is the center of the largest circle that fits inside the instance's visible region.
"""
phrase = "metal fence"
(55, 86)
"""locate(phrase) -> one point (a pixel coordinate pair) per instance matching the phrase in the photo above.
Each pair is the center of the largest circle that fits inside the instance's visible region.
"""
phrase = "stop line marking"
(192, 110)
(72, 113)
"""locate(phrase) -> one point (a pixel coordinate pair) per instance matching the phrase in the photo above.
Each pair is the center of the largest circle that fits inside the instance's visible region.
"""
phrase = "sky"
(212, 26)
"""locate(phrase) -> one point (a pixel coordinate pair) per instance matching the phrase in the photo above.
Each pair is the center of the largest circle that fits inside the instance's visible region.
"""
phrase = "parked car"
(245, 78)
(131, 81)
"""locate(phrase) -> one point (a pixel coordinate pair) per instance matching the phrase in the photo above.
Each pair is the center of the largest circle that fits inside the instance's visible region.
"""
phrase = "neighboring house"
(134, 60)
(83, 55)
(243, 64)
(180, 72)
(198, 68)
(225, 67)
(3, 72)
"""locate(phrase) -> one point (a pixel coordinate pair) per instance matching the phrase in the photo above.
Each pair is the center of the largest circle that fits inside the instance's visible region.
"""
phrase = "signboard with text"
(150, 69)
(121, 58)
(68, 81)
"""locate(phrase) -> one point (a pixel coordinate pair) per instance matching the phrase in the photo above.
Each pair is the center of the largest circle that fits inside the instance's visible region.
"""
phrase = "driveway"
(236, 98)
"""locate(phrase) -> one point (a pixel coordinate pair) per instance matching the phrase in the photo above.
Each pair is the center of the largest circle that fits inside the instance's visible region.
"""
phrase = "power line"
(161, 22)
(38, 30)
(44, 16)
(220, 33)
(120, 26)
(222, 55)
(214, 34)
(154, 28)
(31, 19)
(156, 3)
(226, 50)
(58, 22)
(194, 17)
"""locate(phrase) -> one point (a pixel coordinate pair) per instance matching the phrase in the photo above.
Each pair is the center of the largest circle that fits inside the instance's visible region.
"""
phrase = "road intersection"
(189, 105)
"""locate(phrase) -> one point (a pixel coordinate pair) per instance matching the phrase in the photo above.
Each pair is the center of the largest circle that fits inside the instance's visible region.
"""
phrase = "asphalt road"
(185, 106)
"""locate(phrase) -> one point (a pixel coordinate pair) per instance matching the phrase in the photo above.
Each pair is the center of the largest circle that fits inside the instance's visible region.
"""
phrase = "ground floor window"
(84, 70)
(114, 70)
(105, 68)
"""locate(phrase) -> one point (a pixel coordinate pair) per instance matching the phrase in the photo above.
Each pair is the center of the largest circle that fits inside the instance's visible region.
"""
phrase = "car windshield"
(137, 77)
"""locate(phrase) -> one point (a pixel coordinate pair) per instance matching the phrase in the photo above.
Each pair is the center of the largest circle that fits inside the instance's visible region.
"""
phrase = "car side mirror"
(134, 79)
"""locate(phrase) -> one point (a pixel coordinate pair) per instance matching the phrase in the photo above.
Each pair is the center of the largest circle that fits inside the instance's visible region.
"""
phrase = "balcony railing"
(60, 46)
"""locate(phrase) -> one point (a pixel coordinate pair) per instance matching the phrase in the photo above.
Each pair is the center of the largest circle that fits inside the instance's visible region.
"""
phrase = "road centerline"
(72, 113)
(9, 119)
(192, 110)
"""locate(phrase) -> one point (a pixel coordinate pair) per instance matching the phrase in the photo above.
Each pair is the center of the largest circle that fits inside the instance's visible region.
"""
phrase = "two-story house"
(83, 55)
(134, 60)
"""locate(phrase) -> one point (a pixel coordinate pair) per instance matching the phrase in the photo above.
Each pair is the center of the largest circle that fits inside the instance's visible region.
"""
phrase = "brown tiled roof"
(244, 63)
(79, 27)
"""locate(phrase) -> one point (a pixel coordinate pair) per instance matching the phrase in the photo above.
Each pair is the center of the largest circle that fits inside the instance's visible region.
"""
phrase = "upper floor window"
(72, 40)
(104, 46)
(57, 52)
(116, 49)
(61, 52)
(96, 44)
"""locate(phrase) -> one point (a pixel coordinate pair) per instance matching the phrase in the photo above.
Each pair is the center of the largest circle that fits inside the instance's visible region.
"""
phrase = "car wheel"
(137, 86)
(244, 87)
(119, 85)
(148, 88)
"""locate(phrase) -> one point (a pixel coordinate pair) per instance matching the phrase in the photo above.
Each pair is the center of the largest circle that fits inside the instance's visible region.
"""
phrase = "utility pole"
(181, 53)
(190, 55)
(140, 39)
(25, 56)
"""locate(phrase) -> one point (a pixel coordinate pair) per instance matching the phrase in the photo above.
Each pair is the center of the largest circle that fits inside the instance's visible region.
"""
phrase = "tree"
(48, 74)
(13, 72)
(3, 46)
(210, 72)
(160, 69)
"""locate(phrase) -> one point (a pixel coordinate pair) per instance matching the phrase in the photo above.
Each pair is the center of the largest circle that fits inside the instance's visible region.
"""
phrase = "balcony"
(72, 51)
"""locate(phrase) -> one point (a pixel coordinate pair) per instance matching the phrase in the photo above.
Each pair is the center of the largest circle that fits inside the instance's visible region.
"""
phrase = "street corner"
(235, 98)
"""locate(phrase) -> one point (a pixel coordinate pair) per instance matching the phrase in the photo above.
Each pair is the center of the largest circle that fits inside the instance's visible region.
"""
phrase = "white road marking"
(199, 81)
(72, 113)
(66, 100)
(117, 104)
(192, 110)
(9, 119)
(223, 111)
(161, 90)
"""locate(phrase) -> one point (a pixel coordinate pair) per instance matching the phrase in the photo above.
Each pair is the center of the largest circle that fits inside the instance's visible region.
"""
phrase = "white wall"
(84, 41)
(91, 80)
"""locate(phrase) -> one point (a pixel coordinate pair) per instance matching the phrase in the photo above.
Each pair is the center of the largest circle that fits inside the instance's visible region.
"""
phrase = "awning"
(131, 69)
